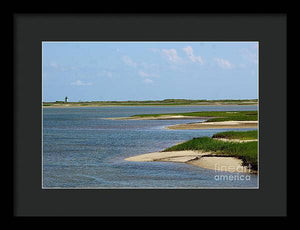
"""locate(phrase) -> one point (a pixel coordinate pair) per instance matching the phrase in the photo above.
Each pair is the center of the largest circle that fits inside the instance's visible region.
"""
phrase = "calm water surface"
(81, 149)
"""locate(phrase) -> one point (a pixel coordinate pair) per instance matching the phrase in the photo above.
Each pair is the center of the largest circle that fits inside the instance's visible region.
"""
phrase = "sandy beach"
(196, 125)
(201, 159)
(217, 125)
(207, 160)
(164, 117)
(234, 140)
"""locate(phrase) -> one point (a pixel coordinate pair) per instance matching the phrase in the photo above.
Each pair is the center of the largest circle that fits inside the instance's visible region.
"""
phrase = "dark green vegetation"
(215, 115)
(165, 102)
(247, 135)
(246, 151)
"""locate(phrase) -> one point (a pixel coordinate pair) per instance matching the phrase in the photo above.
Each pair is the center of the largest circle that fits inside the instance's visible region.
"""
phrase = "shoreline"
(197, 125)
(215, 125)
(93, 106)
(164, 117)
(234, 140)
(201, 159)
(211, 153)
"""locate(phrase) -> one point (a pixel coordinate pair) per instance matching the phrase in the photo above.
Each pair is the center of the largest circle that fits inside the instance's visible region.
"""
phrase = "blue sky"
(100, 71)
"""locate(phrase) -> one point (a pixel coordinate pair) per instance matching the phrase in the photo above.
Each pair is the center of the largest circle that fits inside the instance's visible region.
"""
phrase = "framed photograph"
(144, 115)
(136, 111)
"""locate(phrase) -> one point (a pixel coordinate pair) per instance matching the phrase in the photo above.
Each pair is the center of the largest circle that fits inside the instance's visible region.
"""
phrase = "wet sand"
(197, 158)
(217, 125)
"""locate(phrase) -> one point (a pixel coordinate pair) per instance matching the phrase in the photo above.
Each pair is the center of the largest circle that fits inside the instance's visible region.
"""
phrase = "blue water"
(83, 150)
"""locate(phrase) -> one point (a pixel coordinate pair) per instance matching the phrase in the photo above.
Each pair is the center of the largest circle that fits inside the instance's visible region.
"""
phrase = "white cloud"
(250, 55)
(223, 63)
(80, 83)
(60, 67)
(143, 74)
(190, 53)
(172, 55)
(128, 61)
(146, 65)
(148, 81)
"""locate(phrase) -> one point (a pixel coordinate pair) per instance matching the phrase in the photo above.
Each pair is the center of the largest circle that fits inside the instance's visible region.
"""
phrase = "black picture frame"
(271, 32)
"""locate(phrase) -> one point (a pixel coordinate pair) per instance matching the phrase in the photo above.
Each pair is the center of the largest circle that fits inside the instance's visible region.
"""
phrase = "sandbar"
(216, 125)
(163, 117)
(201, 159)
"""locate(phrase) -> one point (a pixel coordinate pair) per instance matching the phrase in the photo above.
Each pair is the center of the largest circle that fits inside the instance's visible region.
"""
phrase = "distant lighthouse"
(66, 99)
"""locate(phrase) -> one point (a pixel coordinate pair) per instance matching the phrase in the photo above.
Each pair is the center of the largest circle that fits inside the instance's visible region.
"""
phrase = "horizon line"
(159, 100)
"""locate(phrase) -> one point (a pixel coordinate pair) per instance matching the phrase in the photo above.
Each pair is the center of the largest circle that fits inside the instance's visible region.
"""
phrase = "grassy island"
(246, 151)
(211, 116)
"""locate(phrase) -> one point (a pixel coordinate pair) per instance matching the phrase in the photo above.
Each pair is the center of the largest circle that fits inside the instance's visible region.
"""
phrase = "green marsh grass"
(215, 115)
(243, 135)
(246, 151)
